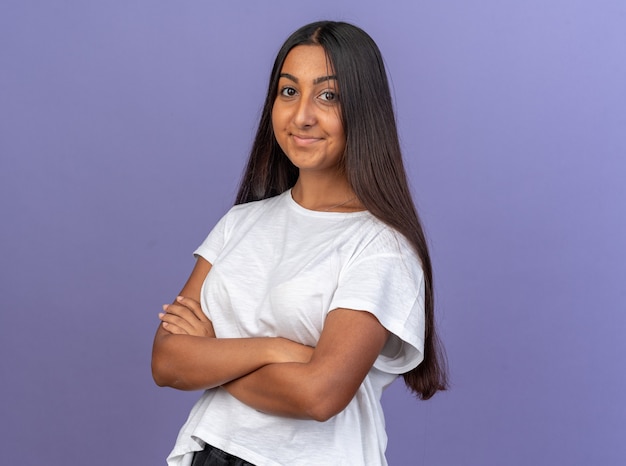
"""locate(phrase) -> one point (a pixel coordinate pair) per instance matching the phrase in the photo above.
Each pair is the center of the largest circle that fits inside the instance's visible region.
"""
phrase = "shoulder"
(374, 236)
(373, 245)
(270, 202)
(252, 210)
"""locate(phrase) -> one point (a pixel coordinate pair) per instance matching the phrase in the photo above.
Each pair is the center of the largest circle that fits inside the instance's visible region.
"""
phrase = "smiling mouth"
(304, 140)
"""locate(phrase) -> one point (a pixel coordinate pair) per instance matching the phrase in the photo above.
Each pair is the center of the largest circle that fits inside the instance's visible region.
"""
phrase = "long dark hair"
(372, 160)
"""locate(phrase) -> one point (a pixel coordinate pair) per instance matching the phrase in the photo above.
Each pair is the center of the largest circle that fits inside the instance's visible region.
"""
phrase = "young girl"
(314, 292)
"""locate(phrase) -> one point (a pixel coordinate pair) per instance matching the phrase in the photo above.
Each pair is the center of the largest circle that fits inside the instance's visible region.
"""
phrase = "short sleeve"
(213, 244)
(385, 278)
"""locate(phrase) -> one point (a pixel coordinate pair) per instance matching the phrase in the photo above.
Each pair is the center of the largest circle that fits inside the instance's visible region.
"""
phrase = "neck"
(325, 193)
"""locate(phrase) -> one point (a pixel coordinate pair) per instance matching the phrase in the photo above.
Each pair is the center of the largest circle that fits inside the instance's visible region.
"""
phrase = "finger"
(186, 319)
(192, 325)
(173, 319)
(192, 305)
(181, 311)
(173, 329)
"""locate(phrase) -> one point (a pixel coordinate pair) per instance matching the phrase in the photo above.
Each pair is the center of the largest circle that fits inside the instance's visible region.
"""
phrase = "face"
(306, 113)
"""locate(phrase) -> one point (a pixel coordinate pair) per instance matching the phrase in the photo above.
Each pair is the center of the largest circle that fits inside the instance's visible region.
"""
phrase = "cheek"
(338, 132)
(278, 115)
(334, 126)
(278, 124)
(278, 129)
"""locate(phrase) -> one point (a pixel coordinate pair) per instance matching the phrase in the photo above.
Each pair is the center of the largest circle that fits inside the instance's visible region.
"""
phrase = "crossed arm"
(273, 375)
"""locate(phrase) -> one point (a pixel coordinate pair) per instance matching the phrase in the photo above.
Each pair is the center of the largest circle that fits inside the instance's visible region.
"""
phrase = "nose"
(305, 113)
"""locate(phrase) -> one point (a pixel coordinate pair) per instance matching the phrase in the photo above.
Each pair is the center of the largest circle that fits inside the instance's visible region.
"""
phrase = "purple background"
(124, 126)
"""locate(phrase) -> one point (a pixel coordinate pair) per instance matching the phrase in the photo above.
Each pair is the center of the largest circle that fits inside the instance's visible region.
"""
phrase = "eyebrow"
(319, 80)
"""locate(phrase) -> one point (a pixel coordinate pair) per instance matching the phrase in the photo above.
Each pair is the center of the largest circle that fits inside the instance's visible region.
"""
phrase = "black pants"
(212, 456)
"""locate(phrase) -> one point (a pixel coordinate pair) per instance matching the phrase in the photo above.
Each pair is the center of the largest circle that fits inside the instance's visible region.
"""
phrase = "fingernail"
(164, 307)
(179, 298)
(161, 315)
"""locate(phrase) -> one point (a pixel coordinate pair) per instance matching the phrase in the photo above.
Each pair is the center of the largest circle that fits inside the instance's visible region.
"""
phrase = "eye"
(329, 96)
(287, 91)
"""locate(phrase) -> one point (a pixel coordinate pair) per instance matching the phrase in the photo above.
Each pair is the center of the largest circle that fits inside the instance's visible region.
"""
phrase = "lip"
(304, 140)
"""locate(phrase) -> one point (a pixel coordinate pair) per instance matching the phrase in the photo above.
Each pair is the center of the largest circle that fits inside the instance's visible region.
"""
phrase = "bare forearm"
(189, 362)
(273, 389)
(297, 390)
(322, 386)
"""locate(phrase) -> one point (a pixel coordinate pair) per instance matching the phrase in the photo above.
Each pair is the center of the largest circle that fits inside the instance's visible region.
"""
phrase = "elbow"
(159, 374)
(324, 405)
(325, 394)
(162, 367)
(321, 415)
(164, 375)
(166, 371)
(323, 412)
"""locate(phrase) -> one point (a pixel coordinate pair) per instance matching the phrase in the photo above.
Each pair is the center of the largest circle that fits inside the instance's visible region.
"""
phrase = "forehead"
(307, 61)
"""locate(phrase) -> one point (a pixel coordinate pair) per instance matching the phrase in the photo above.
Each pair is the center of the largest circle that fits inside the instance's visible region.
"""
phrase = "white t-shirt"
(278, 269)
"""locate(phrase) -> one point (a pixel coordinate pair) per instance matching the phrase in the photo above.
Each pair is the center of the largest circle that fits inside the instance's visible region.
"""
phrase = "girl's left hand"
(185, 317)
